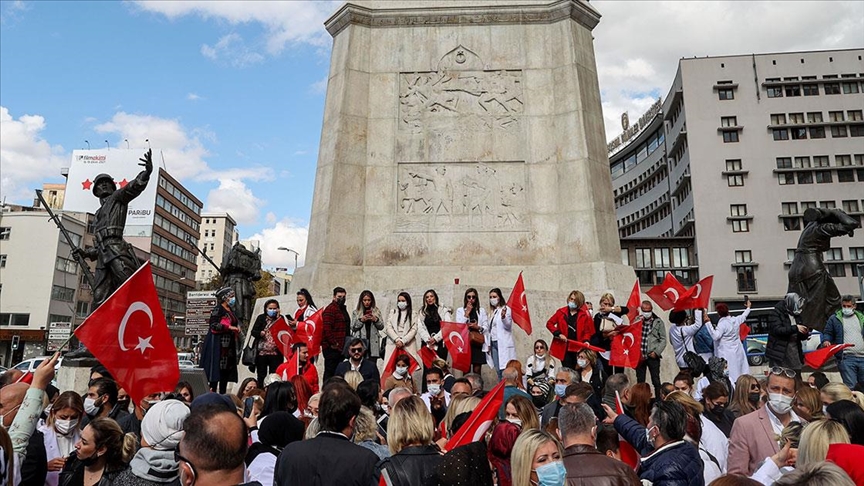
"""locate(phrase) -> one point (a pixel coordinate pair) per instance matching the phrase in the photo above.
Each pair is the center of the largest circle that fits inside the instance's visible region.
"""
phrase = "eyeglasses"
(780, 371)
(356, 350)
(755, 387)
(541, 348)
(178, 458)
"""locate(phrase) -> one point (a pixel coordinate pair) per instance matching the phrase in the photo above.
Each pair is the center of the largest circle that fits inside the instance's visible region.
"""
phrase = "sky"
(232, 93)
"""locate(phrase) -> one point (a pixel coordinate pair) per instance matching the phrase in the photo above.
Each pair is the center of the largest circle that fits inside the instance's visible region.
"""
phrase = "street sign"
(58, 333)
(199, 304)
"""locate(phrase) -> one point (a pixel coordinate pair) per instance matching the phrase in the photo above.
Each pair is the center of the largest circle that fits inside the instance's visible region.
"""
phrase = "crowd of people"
(571, 419)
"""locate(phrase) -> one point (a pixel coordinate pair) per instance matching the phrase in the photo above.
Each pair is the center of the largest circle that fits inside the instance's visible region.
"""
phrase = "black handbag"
(250, 353)
(693, 360)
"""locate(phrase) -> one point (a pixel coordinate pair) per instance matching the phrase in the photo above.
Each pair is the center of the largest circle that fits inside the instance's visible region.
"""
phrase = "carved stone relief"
(461, 197)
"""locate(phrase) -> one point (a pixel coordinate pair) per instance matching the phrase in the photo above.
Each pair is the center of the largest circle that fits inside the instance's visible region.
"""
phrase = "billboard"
(122, 166)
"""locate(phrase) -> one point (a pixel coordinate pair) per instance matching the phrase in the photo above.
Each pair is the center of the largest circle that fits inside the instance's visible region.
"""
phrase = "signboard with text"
(58, 333)
(199, 304)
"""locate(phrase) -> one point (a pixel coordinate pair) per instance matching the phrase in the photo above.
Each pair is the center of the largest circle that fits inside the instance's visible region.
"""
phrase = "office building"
(218, 235)
(715, 179)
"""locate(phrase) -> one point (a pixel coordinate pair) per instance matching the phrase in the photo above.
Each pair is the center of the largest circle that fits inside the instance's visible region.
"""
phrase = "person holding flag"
(570, 323)
(429, 319)
(219, 355)
(298, 363)
(500, 336)
(653, 344)
(474, 314)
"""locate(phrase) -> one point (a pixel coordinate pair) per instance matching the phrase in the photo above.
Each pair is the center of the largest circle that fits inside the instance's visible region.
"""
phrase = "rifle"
(204, 254)
(79, 258)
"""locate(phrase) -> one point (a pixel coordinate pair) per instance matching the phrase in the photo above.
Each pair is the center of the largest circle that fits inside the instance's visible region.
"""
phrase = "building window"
(625, 257)
(2, 261)
(740, 226)
(786, 178)
(735, 180)
(743, 256)
(799, 133)
(662, 258)
(817, 132)
(839, 131)
(726, 94)
(784, 162)
(733, 164)
(63, 294)
(802, 162)
(728, 121)
(5, 231)
(680, 258)
(14, 320)
(643, 258)
(59, 318)
(827, 204)
(781, 134)
(746, 278)
(850, 88)
(810, 89)
(832, 88)
(856, 254)
(850, 206)
(776, 91)
(65, 265)
(856, 130)
(855, 115)
(789, 208)
(82, 309)
(823, 176)
(836, 116)
(835, 269)
(796, 118)
(790, 254)
(793, 90)
(843, 160)
(805, 205)
(730, 137)
(738, 210)
(820, 161)
(778, 119)
(814, 117)
(805, 177)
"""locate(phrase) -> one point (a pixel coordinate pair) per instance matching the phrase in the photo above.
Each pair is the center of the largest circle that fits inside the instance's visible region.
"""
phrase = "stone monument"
(464, 140)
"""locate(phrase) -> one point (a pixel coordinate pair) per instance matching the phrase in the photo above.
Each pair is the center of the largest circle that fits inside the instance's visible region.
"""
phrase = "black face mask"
(753, 397)
(538, 400)
(89, 461)
(718, 409)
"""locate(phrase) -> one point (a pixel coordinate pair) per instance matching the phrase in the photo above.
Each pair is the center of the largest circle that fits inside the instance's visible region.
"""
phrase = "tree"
(264, 287)
(215, 283)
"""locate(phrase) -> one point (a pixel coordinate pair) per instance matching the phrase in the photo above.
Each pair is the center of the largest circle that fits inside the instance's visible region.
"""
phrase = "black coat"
(413, 466)
(328, 459)
(367, 369)
(34, 469)
(676, 464)
(780, 333)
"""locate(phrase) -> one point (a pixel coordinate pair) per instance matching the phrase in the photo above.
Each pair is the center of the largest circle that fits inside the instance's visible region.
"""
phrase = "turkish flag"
(283, 336)
(628, 453)
(816, 359)
(27, 377)
(576, 346)
(391, 365)
(128, 335)
(667, 293)
(458, 343)
(627, 347)
(697, 296)
(634, 303)
(480, 420)
(312, 331)
(427, 355)
(518, 305)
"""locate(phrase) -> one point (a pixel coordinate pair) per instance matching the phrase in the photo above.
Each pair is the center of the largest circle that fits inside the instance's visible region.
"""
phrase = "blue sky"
(233, 92)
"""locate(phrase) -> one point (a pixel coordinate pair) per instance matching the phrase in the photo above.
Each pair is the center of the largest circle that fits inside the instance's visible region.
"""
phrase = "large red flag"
(413, 365)
(518, 305)
(634, 303)
(457, 341)
(667, 293)
(128, 334)
(284, 336)
(627, 354)
(312, 331)
(427, 355)
(816, 359)
(480, 420)
(628, 453)
(697, 296)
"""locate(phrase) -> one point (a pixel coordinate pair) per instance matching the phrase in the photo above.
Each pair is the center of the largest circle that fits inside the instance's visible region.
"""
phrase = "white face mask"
(402, 305)
(848, 312)
(515, 421)
(63, 427)
(582, 363)
(434, 389)
(780, 403)
(493, 301)
(90, 407)
(385, 408)
(647, 315)
(401, 370)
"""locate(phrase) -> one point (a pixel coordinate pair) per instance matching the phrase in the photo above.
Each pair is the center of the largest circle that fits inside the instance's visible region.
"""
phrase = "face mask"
(753, 397)
(401, 370)
(572, 305)
(551, 474)
(559, 390)
(848, 312)
(341, 300)
(515, 421)
(3, 416)
(647, 315)
(232, 301)
(434, 389)
(726, 372)
(648, 436)
(581, 363)
(538, 400)
(824, 410)
(718, 409)
(780, 403)
(89, 461)
(493, 302)
(63, 427)
(123, 405)
(90, 407)
(402, 305)
(272, 312)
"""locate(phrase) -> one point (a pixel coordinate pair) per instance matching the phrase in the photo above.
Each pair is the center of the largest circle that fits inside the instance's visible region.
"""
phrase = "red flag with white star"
(667, 293)
(312, 331)
(128, 334)
(627, 347)
(634, 303)
(413, 365)
(458, 343)
(518, 305)
(283, 336)
(816, 359)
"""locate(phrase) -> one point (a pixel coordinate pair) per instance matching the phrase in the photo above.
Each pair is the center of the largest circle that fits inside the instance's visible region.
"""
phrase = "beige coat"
(404, 330)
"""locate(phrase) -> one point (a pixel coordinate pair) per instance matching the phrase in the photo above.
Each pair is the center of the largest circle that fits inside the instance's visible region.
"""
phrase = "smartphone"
(247, 406)
(746, 299)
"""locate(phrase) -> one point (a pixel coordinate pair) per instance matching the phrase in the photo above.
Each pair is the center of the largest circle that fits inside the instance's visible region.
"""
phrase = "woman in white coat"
(727, 341)
(53, 441)
(499, 339)
(401, 329)
(474, 314)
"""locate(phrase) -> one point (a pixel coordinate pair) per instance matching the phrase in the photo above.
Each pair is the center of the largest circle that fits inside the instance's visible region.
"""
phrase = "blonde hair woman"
(815, 439)
(537, 454)
(521, 412)
(833, 392)
(353, 378)
(410, 432)
(458, 405)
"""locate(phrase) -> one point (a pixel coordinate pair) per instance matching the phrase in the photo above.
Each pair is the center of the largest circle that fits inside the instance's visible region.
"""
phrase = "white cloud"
(232, 50)
(12, 11)
(319, 87)
(233, 197)
(183, 153)
(194, 97)
(638, 44)
(285, 233)
(284, 23)
(270, 218)
(26, 158)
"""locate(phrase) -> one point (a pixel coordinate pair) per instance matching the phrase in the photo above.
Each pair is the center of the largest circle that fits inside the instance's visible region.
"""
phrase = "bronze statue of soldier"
(239, 269)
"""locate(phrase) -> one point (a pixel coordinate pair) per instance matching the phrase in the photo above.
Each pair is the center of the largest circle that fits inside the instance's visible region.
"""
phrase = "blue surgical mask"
(559, 390)
(232, 301)
(272, 312)
(551, 474)
(572, 305)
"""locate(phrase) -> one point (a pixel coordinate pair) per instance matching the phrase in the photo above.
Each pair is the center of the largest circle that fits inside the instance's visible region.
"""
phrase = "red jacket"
(557, 325)
(288, 370)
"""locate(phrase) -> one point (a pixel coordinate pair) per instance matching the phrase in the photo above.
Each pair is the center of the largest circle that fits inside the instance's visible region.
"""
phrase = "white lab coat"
(503, 336)
(727, 344)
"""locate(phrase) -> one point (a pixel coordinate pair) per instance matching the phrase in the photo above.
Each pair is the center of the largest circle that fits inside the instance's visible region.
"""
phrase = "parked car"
(186, 364)
(30, 365)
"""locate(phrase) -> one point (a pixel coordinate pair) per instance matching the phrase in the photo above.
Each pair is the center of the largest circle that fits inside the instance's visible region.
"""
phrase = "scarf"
(647, 324)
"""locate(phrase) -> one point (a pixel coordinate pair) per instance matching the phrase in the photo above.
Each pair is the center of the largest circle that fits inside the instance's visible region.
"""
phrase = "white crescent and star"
(450, 338)
(698, 291)
(675, 292)
(143, 343)
(481, 430)
(279, 337)
(524, 302)
(624, 341)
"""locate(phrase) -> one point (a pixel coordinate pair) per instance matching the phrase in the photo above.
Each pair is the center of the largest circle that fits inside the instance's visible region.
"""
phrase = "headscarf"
(277, 430)
(162, 425)
(716, 365)
(794, 303)
(221, 293)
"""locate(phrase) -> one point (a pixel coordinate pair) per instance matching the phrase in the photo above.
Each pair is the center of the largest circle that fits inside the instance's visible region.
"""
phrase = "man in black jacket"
(785, 333)
(356, 362)
(329, 458)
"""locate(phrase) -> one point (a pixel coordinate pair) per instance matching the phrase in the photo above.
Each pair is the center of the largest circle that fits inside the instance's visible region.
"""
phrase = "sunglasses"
(356, 350)
(541, 348)
(472, 297)
(780, 371)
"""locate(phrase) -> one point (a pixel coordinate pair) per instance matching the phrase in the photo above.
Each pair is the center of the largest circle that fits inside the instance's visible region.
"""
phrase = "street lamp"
(282, 248)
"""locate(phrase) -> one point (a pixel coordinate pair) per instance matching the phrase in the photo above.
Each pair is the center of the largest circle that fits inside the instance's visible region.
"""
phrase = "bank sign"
(122, 166)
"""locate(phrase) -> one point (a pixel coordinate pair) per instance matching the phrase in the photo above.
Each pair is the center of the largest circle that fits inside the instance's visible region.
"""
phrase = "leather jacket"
(412, 466)
(587, 466)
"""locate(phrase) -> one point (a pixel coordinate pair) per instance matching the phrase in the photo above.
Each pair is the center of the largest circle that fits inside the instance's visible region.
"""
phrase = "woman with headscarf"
(501, 444)
(717, 372)
(727, 340)
(785, 333)
(277, 430)
(219, 355)
(161, 431)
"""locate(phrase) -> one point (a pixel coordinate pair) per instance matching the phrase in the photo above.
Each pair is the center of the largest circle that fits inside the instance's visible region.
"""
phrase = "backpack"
(702, 341)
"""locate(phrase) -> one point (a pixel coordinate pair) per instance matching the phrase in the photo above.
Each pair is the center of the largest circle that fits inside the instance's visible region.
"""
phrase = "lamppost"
(282, 248)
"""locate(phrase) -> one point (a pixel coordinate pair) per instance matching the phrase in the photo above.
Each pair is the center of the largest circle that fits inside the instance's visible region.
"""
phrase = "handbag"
(693, 360)
(476, 337)
(250, 354)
